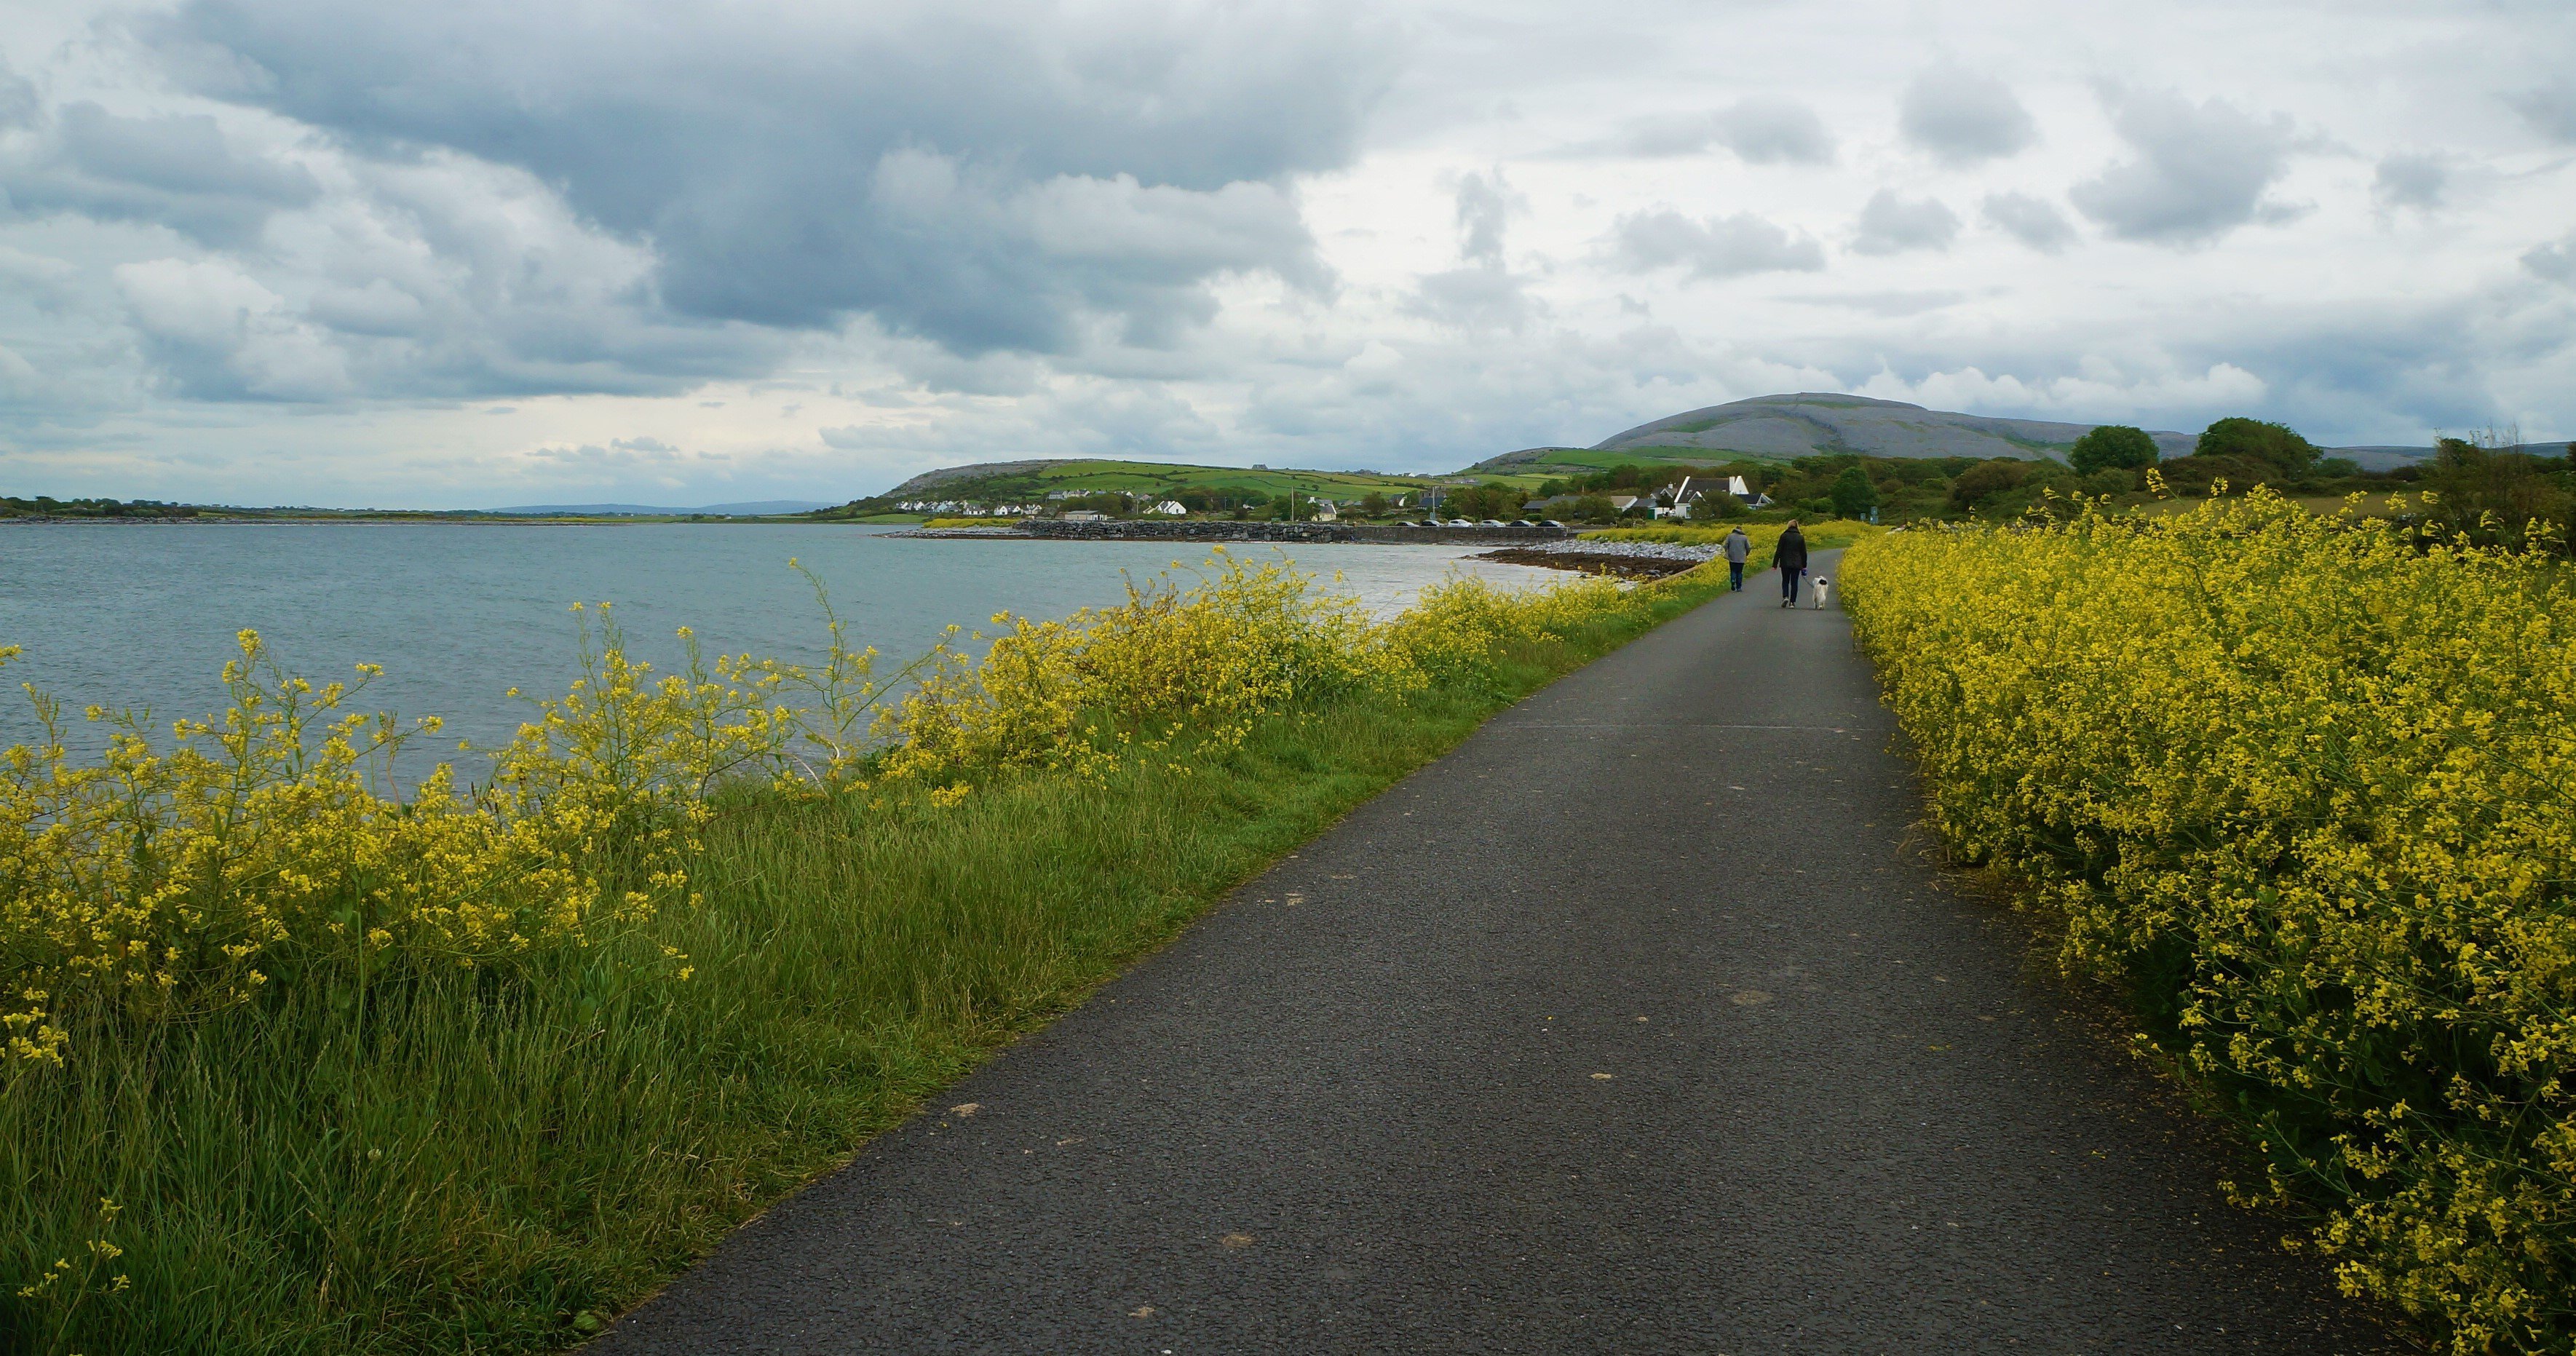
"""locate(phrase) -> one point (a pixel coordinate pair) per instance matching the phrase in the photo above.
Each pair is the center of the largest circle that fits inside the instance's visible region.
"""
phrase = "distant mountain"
(1782, 427)
(982, 470)
(752, 509)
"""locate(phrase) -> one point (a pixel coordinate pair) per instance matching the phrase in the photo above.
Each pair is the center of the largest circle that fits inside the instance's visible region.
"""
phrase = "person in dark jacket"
(1791, 556)
(1736, 548)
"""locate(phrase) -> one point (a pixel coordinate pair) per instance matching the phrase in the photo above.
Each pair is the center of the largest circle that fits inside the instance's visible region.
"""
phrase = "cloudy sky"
(689, 251)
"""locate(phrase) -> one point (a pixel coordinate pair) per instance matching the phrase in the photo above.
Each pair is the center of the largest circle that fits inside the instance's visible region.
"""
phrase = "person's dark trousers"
(1789, 586)
(1735, 576)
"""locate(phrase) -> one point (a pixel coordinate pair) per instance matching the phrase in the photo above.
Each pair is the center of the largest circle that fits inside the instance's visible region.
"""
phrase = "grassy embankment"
(308, 1071)
(2301, 786)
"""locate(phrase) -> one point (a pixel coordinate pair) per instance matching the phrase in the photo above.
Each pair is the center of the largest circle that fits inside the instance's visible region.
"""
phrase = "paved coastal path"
(1637, 1023)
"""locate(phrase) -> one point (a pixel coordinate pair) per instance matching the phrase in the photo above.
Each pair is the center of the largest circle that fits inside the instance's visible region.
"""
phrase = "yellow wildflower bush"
(2303, 784)
(159, 884)
(271, 844)
(1201, 662)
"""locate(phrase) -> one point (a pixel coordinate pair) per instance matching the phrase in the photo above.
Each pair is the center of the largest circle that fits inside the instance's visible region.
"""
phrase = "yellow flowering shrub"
(271, 845)
(1201, 661)
(2304, 785)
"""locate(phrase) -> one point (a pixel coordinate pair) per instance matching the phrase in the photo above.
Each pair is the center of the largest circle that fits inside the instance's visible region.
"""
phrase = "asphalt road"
(1640, 1022)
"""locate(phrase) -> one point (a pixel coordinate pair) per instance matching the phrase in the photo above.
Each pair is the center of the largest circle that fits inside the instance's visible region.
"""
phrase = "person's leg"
(1735, 576)
(1788, 586)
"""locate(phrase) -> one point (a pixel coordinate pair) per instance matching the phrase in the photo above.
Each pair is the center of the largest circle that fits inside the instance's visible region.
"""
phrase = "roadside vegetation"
(2299, 784)
(294, 1065)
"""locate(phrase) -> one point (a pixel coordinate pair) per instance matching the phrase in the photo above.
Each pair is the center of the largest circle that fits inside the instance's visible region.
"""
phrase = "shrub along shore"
(296, 1065)
(2301, 786)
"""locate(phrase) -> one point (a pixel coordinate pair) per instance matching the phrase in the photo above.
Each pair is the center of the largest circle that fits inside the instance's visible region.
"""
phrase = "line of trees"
(46, 506)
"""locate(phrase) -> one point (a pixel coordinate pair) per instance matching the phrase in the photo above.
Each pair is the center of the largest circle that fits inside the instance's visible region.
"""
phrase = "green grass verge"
(490, 1168)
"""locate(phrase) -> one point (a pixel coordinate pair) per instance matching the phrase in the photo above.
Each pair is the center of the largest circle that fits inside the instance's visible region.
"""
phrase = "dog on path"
(1823, 587)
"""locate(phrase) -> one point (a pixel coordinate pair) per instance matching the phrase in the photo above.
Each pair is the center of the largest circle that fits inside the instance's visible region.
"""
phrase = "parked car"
(1523, 522)
(1460, 522)
(1491, 522)
(1550, 522)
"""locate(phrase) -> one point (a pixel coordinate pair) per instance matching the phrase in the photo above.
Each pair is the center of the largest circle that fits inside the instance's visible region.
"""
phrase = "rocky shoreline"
(1552, 548)
(1624, 559)
(1223, 530)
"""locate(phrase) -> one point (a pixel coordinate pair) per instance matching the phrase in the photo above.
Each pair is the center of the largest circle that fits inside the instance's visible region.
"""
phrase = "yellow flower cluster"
(271, 845)
(2307, 786)
(1201, 661)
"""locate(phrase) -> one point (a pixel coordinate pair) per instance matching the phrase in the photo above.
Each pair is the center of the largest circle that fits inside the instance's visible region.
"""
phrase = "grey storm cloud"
(176, 171)
(985, 177)
(18, 99)
(2410, 179)
(1962, 117)
(2198, 172)
(1758, 131)
(2035, 222)
(1711, 247)
(1892, 225)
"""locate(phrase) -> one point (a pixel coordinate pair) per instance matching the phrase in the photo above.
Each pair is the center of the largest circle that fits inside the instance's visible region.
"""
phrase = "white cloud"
(1711, 247)
(2550, 109)
(2417, 179)
(1760, 131)
(292, 249)
(221, 335)
(2032, 221)
(1892, 225)
(2196, 172)
(2104, 393)
(1774, 131)
(1962, 117)
(2554, 260)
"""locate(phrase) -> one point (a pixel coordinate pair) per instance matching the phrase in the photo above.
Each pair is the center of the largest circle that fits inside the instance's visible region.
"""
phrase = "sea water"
(144, 616)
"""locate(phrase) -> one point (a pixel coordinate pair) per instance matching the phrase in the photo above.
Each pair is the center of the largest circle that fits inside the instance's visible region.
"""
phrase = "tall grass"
(496, 1158)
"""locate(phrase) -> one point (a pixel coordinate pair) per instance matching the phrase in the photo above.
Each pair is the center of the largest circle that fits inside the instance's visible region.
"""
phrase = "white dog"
(1823, 587)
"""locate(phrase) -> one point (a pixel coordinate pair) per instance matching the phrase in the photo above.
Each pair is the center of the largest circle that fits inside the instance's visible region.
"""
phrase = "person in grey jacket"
(1791, 556)
(1736, 547)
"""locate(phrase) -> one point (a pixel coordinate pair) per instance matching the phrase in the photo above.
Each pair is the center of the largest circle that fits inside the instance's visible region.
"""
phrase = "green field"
(1143, 478)
(1585, 460)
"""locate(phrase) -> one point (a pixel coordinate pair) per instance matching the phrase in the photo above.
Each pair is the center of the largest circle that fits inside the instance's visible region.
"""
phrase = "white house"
(1693, 487)
(1172, 507)
(1325, 512)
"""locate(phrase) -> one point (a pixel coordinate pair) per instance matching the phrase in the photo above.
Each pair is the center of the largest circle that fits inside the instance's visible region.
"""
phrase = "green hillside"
(1541, 463)
(991, 482)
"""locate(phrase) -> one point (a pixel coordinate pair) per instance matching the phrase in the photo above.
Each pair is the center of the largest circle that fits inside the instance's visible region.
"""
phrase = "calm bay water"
(459, 613)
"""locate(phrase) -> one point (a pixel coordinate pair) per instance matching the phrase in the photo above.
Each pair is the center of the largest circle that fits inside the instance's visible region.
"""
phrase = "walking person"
(1791, 556)
(1736, 547)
